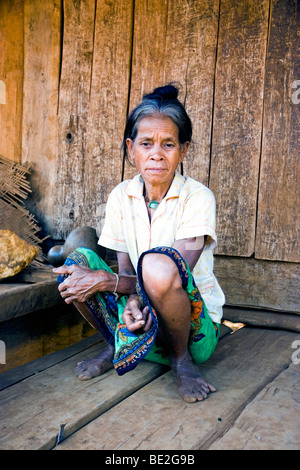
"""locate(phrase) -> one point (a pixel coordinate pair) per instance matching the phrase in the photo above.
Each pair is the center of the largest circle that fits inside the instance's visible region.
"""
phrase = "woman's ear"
(184, 151)
(129, 144)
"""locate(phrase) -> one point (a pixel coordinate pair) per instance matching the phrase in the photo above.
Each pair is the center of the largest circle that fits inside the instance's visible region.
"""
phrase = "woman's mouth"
(156, 170)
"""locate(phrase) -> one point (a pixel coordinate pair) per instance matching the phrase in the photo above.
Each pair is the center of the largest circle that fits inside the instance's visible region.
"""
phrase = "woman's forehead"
(151, 125)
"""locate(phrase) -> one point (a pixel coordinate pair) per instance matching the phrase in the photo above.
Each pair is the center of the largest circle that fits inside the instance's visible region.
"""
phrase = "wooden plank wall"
(11, 79)
(84, 64)
(237, 124)
(42, 33)
(279, 196)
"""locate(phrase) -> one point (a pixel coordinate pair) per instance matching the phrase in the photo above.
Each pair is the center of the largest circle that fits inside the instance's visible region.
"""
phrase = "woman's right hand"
(134, 318)
(82, 282)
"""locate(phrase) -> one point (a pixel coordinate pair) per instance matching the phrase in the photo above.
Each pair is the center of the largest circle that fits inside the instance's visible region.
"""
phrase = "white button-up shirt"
(188, 210)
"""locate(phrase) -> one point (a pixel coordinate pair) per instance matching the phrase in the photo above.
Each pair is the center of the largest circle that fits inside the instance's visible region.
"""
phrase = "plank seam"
(213, 97)
(262, 124)
(92, 61)
(230, 423)
(38, 371)
(129, 77)
(62, 435)
(62, 27)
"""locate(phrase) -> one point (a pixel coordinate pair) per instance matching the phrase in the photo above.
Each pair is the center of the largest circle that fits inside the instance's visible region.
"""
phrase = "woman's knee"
(160, 273)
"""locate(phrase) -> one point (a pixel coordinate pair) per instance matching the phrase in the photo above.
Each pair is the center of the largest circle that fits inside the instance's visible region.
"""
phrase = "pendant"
(153, 205)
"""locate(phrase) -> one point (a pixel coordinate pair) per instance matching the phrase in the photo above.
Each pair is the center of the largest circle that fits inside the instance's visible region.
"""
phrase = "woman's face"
(156, 150)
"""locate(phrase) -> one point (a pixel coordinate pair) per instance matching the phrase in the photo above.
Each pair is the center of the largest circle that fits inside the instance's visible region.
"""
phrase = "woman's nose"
(157, 153)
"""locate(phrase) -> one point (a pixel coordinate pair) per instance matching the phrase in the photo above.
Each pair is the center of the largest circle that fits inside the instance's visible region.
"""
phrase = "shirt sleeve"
(198, 217)
(112, 235)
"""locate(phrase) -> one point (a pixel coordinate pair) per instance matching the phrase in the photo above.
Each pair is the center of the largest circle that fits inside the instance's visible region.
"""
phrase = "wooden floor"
(256, 406)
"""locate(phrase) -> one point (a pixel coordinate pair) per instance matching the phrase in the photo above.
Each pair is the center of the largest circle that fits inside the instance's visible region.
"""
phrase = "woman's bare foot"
(90, 368)
(192, 385)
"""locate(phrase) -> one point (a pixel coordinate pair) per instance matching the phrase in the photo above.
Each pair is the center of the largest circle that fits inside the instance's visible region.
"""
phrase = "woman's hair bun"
(168, 92)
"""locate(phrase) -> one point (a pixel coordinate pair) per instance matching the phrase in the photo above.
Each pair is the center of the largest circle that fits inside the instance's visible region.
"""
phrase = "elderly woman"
(165, 304)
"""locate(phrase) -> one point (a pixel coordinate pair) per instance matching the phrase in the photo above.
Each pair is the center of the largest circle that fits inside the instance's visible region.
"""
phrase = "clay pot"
(85, 237)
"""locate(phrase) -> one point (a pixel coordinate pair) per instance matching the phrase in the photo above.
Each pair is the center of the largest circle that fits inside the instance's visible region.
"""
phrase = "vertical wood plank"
(74, 91)
(92, 109)
(11, 77)
(108, 106)
(179, 45)
(148, 49)
(237, 122)
(149, 37)
(278, 227)
(42, 28)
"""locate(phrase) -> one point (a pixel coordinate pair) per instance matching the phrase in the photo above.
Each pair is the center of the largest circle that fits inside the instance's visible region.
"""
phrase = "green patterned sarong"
(131, 348)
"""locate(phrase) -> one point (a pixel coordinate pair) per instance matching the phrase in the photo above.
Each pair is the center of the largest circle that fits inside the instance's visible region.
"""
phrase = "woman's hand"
(81, 283)
(134, 318)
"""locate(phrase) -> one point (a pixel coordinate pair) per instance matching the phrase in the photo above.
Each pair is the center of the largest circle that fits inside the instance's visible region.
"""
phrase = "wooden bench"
(34, 319)
(256, 406)
(30, 290)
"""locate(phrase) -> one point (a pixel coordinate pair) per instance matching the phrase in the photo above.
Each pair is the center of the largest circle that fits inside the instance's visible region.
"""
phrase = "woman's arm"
(133, 317)
(127, 275)
(84, 282)
(190, 249)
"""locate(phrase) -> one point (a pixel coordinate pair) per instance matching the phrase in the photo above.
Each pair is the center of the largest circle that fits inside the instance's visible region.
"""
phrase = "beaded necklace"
(153, 205)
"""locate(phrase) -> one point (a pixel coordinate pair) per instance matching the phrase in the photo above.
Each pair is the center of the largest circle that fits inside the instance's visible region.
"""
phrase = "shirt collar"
(135, 186)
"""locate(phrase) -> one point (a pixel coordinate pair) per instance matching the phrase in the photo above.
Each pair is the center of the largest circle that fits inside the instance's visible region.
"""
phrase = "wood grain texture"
(11, 76)
(40, 332)
(74, 92)
(259, 284)
(237, 123)
(271, 420)
(39, 405)
(156, 418)
(17, 374)
(278, 227)
(108, 106)
(179, 46)
(42, 30)
(92, 109)
(264, 318)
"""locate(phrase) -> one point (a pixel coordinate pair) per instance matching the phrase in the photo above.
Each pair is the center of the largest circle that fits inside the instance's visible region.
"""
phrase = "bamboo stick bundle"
(14, 189)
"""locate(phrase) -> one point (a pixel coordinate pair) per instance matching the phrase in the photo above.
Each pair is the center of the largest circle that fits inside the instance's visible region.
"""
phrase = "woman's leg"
(99, 364)
(96, 366)
(163, 286)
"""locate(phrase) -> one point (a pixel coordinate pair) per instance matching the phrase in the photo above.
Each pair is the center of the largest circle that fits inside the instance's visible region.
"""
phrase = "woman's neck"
(155, 193)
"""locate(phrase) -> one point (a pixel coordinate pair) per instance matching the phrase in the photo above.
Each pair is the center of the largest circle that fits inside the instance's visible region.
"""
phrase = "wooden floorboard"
(156, 418)
(17, 374)
(142, 409)
(271, 420)
(34, 410)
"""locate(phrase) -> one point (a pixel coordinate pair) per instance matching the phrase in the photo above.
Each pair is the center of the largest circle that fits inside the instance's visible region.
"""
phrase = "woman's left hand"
(134, 318)
(81, 283)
